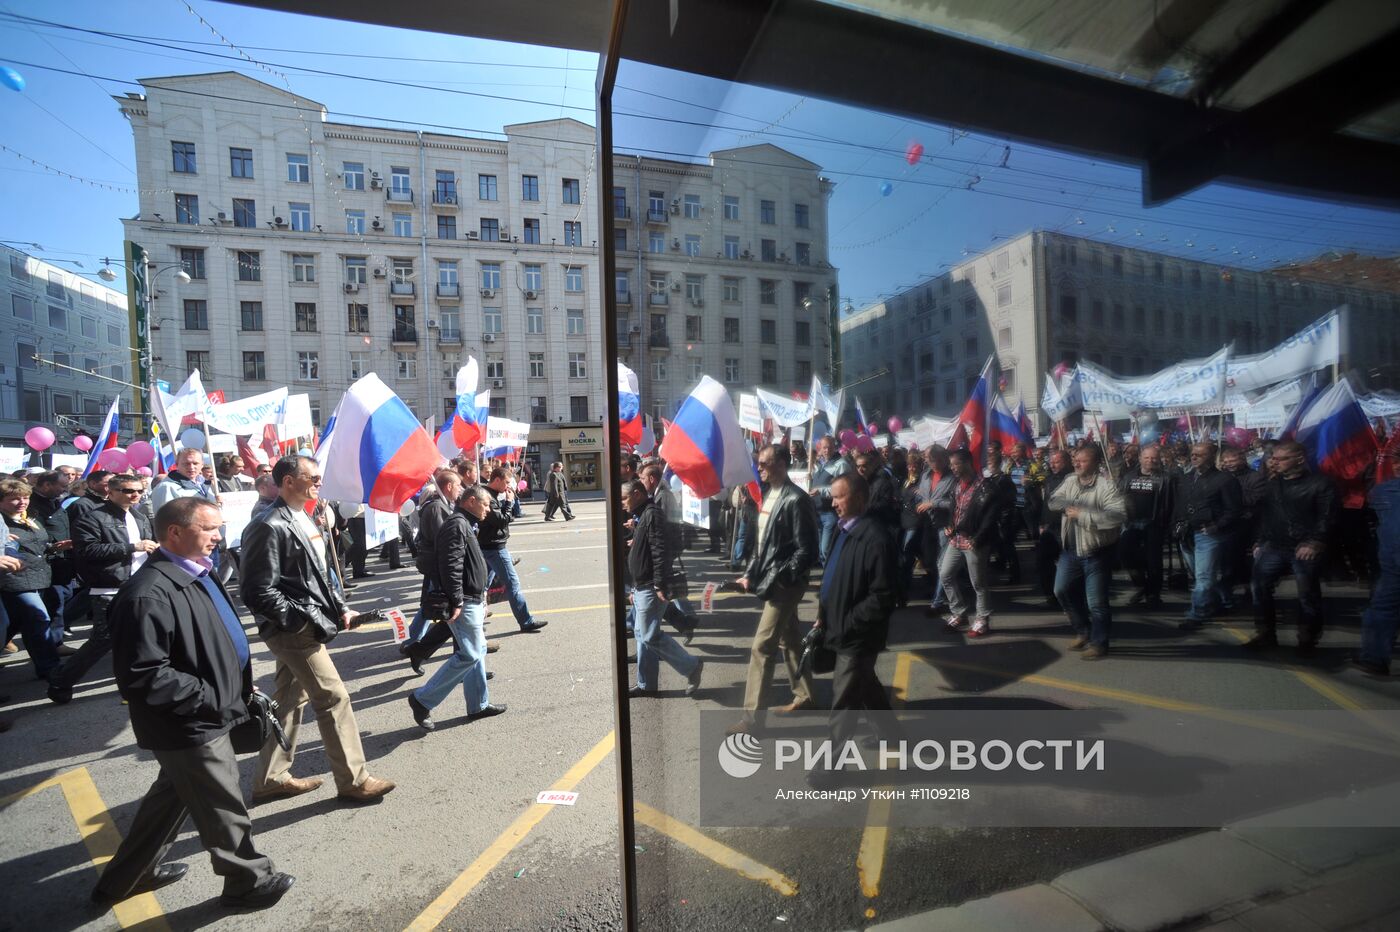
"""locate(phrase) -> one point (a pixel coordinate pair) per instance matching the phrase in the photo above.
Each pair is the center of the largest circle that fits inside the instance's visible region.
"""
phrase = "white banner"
(222, 443)
(237, 509)
(694, 510)
(13, 459)
(296, 418)
(750, 417)
(380, 527)
(503, 432)
(931, 431)
(785, 412)
(1184, 385)
(824, 401)
(247, 416)
(1059, 405)
(1316, 346)
(76, 460)
(1380, 404)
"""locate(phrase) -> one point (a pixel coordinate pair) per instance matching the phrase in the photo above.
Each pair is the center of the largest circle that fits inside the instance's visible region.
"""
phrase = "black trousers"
(1005, 544)
(1140, 552)
(1047, 559)
(856, 688)
(98, 645)
(554, 503)
(358, 551)
(200, 783)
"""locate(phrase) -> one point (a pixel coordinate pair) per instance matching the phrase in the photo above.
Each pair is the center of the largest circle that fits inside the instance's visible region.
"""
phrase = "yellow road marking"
(506, 842)
(721, 854)
(100, 835)
(870, 859)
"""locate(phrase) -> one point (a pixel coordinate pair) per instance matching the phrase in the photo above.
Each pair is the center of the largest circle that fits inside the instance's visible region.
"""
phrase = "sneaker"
(956, 623)
(980, 628)
(1079, 643)
(421, 713)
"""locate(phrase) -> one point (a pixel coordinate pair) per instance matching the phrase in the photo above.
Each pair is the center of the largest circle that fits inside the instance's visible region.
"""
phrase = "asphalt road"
(462, 844)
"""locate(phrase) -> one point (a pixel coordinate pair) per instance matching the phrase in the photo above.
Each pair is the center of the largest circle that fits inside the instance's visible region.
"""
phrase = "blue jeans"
(828, 532)
(28, 613)
(1382, 616)
(741, 532)
(1205, 559)
(910, 545)
(499, 562)
(653, 644)
(940, 543)
(467, 665)
(1269, 566)
(1081, 586)
(419, 625)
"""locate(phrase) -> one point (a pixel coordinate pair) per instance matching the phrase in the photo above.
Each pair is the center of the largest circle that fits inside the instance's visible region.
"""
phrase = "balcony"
(656, 216)
(658, 299)
(450, 335)
(659, 341)
(401, 288)
(445, 198)
(449, 291)
(624, 298)
(400, 196)
(622, 212)
(404, 334)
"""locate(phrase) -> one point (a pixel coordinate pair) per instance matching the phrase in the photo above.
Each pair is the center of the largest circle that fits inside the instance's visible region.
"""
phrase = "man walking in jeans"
(494, 533)
(1296, 515)
(649, 564)
(1091, 513)
(1207, 507)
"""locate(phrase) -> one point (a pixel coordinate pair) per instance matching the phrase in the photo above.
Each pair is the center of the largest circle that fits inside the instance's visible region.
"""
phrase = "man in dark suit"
(556, 492)
(181, 662)
(856, 599)
(287, 585)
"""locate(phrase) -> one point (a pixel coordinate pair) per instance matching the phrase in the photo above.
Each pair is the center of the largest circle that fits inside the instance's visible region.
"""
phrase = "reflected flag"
(373, 450)
(629, 406)
(704, 445)
(974, 415)
(1336, 434)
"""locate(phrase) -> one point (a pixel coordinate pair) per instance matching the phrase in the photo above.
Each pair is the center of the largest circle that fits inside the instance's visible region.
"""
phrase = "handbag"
(816, 657)
(436, 606)
(251, 735)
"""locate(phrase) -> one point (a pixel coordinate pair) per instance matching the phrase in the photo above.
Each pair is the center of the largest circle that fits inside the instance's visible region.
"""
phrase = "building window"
(447, 274)
(450, 328)
(245, 212)
(182, 153)
(768, 331)
(58, 318)
(400, 184)
(573, 233)
(539, 409)
(804, 372)
(693, 324)
(490, 276)
(731, 247)
(537, 365)
(498, 406)
(1158, 271)
(88, 327)
(767, 212)
(691, 207)
(196, 315)
(114, 335)
(249, 266)
(196, 360)
(24, 355)
(802, 333)
(298, 168)
(355, 222)
(486, 187)
(187, 208)
(969, 308)
(1069, 309)
(801, 216)
(1096, 314)
(731, 330)
(1140, 320)
(305, 317)
(250, 315)
(803, 254)
(1004, 338)
(731, 207)
(571, 191)
(357, 318)
(529, 187)
(240, 162)
(692, 245)
(303, 267)
(491, 320)
(620, 239)
(658, 369)
(359, 366)
(971, 347)
(574, 320)
(578, 367)
(695, 289)
(406, 365)
(573, 278)
(731, 369)
(447, 227)
(578, 408)
(534, 320)
(768, 250)
(192, 261)
(1004, 295)
(532, 230)
(729, 289)
(1159, 321)
(534, 278)
(403, 224)
(254, 366)
(768, 371)
(309, 366)
(767, 291)
(355, 270)
(490, 230)
(656, 241)
(301, 217)
(1118, 266)
(1118, 321)
(353, 175)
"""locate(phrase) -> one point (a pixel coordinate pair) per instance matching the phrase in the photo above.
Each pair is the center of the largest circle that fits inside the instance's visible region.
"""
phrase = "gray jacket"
(1102, 513)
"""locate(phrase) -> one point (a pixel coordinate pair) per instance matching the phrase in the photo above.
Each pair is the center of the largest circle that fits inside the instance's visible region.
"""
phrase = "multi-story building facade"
(68, 352)
(321, 251)
(722, 270)
(1043, 298)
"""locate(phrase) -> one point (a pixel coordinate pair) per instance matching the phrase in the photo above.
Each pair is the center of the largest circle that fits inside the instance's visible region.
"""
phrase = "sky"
(965, 192)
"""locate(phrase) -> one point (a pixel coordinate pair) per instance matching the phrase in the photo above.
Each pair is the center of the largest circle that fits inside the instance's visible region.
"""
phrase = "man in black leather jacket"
(1148, 492)
(1207, 506)
(1296, 514)
(884, 506)
(783, 557)
(109, 544)
(649, 564)
(287, 586)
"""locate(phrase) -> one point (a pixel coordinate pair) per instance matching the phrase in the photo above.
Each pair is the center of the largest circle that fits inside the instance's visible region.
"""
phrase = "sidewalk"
(1249, 877)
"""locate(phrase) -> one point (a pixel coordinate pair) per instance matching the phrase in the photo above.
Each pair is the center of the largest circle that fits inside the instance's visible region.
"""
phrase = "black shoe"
(636, 692)
(350, 585)
(530, 627)
(365, 575)
(487, 712)
(514, 561)
(415, 660)
(263, 895)
(568, 517)
(60, 696)
(1262, 642)
(1370, 668)
(692, 682)
(490, 674)
(421, 713)
(1190, 624)
(549, 519)
(1137, 598)
(1306, 648)
(163, 876)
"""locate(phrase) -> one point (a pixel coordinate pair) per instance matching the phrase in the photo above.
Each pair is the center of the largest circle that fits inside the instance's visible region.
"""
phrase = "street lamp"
(109, 274)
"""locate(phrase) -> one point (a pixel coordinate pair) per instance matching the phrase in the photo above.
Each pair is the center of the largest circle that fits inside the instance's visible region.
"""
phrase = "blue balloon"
(12, 79)
(886, 189)
(306, 451)
(1149, 433)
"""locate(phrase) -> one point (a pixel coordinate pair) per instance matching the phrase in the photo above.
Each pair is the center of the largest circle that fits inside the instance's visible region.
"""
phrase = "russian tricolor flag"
(976, 413)
(704, 445)
(629, 407)
(1003, 426)
(473, 407)
(445, 440)
(1336, 434)
(106, 438)
(1023, 419)
(374, 451)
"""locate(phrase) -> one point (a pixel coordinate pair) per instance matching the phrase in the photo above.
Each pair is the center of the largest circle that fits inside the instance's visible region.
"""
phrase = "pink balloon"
(847, 437)
(39, 438)
(1061, 371)
(114, 460)
(140, 453)
(895, 425)
(1183, 423)
(1237, 437)
(864, 444)
(523, 486)
(914, 152)
(83, 442)
(872, 428)
(144, 471)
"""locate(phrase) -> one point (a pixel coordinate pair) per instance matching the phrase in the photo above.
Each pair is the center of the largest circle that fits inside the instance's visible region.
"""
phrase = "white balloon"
(192, 438)
(407, 508)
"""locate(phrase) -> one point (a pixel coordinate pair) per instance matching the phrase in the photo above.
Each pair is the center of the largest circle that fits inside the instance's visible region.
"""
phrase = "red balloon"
(914, 152)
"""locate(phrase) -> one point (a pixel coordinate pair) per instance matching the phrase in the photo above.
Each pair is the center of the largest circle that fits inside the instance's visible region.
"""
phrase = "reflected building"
(1043, 298)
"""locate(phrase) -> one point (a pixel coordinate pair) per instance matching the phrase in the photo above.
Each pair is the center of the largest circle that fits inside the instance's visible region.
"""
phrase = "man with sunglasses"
(110, 542)
(286, 581)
